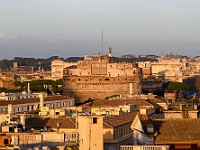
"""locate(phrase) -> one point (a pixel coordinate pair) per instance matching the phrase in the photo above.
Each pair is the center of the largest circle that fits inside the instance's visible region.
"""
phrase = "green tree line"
(36, 86)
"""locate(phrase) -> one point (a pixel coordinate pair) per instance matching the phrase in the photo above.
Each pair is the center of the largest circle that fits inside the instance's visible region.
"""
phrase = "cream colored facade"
(16, 96)
(146, 64)
(6, 80)
(31, 106)
(174, 76)
(57, 67)
(113, 110)
(194, 66)
(29, 138)
(166, 64)
(90, 132)
(47, 111)
(117, 136)
(179, 114)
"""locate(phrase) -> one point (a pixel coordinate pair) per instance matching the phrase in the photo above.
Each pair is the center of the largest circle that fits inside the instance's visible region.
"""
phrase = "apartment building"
(57, 67)
(33, 104)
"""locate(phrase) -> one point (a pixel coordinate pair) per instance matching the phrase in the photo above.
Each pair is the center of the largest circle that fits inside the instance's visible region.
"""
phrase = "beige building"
(174, 76)
(117, 131)
(57, 67)
(6, 80)
(181, 111)
(116, 106)
(33, 104)
(194, 66)
(90, 132)
(166, 64)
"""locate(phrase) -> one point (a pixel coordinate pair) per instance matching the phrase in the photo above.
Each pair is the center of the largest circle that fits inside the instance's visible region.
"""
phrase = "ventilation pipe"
(22, 120)
(10, 109)
(131, 88)
(41, 101)
(29, 88)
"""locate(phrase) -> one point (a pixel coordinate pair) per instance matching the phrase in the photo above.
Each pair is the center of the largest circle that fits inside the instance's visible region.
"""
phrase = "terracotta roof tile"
(117, 102)
(119, 120)
(177, 131)
(50, 123)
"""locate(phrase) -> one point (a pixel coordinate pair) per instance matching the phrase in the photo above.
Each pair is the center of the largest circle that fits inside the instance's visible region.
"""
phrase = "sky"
(66, 28)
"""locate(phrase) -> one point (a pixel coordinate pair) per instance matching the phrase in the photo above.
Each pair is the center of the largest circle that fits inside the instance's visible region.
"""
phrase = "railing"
(149, 147)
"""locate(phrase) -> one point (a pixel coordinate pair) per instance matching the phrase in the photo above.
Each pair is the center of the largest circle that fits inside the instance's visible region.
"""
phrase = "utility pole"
(76, 126)
(102, 44)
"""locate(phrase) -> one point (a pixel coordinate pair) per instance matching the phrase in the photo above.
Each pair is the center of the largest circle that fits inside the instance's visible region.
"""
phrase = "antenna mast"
(102, 42)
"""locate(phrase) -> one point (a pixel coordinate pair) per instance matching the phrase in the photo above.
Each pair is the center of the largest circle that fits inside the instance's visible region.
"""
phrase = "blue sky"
(42, 28)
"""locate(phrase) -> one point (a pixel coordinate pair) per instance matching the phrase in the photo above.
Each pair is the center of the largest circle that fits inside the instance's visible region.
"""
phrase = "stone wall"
(99, 87)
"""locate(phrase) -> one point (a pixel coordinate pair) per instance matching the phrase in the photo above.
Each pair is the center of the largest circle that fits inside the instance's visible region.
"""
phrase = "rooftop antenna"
(102, 45)
(162, 55)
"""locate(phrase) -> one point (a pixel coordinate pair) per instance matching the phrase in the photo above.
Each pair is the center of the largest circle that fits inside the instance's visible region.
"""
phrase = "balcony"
(145, 147)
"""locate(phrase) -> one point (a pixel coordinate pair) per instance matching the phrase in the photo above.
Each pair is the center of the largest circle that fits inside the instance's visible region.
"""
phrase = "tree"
(176, 87)
(197, 83)
(59, 82)
(17, 84)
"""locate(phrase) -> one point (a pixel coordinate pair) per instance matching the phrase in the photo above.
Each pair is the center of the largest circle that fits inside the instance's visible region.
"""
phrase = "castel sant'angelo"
(98, 77)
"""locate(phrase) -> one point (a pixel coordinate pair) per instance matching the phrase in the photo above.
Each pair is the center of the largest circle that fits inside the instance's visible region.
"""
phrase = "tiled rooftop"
(38, 122)
(177, 131)
(155, 100)
(117, 102)
(119, 120)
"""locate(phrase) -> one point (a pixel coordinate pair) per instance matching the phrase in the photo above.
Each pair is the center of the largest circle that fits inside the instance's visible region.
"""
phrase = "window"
(6, 141)
(94, 120)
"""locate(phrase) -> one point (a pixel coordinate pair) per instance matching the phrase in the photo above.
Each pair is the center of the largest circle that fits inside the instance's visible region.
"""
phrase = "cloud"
(51, 39)
(14, 36)
(2, 35)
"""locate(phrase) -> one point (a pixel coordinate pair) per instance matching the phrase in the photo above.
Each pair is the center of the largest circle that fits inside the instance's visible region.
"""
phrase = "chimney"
(41, 101)
(22, 120)
(195, 107)
(131, 88)
(14, 65)
(150, 128)
(181, 107)
(10, 109)
(110, 52)
(143, 111)
(28, 88)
